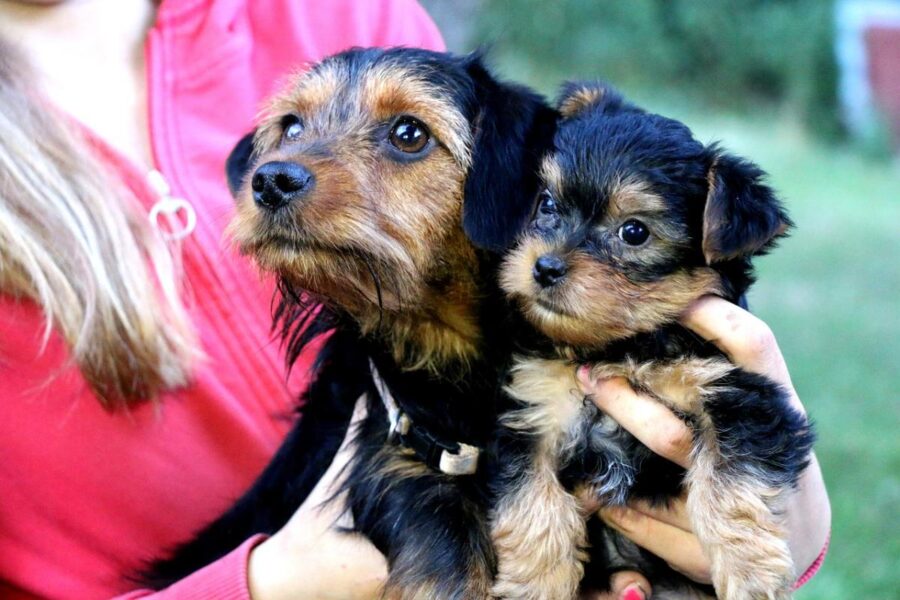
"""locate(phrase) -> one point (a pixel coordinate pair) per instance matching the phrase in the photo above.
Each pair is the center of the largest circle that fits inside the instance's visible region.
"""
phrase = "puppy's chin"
(564, 328)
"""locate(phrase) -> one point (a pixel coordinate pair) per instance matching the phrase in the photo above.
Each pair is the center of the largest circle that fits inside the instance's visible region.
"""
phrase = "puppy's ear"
(238, 163)
(577, 96)
(742, 216)
(513, 128)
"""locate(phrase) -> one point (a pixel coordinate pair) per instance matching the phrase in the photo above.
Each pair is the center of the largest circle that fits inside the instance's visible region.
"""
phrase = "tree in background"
(734, 54)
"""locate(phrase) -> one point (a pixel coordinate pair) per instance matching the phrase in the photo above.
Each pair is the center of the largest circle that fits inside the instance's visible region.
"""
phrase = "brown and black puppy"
(637, 220)
(380, 187)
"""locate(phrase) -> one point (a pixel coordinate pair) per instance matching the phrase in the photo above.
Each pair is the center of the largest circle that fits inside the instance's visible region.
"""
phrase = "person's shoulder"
(316, 29)
(31, 357)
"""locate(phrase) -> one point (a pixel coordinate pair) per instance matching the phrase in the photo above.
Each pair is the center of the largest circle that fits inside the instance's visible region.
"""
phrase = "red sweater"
(87, 495)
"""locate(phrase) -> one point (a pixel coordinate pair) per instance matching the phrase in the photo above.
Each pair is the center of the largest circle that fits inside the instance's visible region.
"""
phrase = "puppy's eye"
(291, 127)
(409, 135)
(547, 204)
(546, 218)
(633, 232)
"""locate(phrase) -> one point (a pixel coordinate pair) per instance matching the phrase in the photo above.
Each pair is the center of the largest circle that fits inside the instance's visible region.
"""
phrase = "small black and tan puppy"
(635, 221)
(381, 187)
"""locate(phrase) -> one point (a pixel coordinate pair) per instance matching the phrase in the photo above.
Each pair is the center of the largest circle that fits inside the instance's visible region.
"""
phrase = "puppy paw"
(737, 523)
(539, 535)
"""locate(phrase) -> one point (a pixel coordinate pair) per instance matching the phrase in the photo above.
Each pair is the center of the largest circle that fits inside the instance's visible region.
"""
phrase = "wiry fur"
(396, 255)
(613, 303)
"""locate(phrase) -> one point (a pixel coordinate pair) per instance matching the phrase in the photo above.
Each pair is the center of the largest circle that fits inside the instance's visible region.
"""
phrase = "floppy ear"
(513, 129)
(238, 163)
(742, 216)
(577, 96)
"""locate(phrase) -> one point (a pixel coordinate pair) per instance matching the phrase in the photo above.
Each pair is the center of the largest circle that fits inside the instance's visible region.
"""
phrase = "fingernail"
(584, 375)
(633, 592)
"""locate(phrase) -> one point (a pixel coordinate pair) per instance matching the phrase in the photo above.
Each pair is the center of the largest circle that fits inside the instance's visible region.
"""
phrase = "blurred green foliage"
(739, 54)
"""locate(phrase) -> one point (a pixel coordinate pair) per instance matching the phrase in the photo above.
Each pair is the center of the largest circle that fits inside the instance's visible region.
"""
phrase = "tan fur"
(539, 529)
(397, 93)
(400, 463)
(735, 518)
(737, 522)
(479, 587)
(539, 536)
(596, 303)
(551, 174)
(381, 238)
(681, 384)
(551, 395)
(581, 99)
(632, 198)
(712, 220)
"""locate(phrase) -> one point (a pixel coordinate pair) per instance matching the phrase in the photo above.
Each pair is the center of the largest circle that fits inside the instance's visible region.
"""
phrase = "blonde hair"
(73, 240)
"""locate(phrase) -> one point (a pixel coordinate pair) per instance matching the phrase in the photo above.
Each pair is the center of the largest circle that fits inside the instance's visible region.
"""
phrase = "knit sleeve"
(225, 579)
(404, 23)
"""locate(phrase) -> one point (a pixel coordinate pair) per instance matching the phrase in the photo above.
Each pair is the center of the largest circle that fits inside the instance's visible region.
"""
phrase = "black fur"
(237, 165)
(514, 131)
(432, 526)
(725, 215)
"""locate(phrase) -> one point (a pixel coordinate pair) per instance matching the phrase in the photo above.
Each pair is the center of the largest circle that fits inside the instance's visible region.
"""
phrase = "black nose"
(276, 184)
(549, 269)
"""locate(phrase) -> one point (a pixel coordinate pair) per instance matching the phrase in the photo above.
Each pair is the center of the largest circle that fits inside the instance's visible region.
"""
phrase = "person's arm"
(312, 556)
(225, 579)
(666, 532)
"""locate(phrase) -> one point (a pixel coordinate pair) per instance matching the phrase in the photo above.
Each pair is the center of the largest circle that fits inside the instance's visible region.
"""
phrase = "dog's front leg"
(538, 528)
(750, 446)
(431, 527)
(539, 535)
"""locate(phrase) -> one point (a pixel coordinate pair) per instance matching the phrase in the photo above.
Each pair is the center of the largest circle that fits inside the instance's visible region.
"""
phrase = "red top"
(87, 495)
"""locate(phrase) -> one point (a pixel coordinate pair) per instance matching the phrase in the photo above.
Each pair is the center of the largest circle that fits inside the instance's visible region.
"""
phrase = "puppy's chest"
(590, 451)
(549, 394)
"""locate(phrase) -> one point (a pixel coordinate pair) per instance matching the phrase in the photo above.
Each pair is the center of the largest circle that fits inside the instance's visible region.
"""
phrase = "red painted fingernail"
(632, 593)
(584, 373)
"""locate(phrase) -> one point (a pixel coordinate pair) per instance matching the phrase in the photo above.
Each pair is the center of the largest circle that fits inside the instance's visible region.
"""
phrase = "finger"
(644, 417)
(336, 474)
(746, 339)
(673, 513)
(679, 548)
(629, 585)
(623, 585)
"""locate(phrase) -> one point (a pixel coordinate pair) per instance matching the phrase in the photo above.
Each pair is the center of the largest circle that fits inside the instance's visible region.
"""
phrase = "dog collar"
(452, 458)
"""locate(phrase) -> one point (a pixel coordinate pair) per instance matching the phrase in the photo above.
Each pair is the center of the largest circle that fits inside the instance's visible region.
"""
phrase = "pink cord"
(814, 568)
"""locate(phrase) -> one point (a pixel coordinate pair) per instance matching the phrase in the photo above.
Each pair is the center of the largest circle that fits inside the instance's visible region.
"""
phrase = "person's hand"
(309, 557)
(667, 532)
